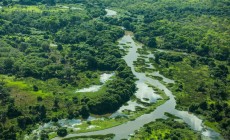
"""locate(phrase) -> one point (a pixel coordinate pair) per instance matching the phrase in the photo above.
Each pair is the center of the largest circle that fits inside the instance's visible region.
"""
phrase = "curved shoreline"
(169, 106)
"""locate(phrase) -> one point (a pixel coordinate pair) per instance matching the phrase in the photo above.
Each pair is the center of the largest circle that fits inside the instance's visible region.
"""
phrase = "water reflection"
(124, 130)
(94, 88)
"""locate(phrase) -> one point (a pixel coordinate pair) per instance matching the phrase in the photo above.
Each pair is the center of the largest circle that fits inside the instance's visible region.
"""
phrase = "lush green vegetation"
(194, 36)
(48, 49)
(169, 129)
(199, 89)
(49, 52)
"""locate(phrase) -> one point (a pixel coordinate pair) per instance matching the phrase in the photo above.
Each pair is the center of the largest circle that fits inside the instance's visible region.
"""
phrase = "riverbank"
(169, 106)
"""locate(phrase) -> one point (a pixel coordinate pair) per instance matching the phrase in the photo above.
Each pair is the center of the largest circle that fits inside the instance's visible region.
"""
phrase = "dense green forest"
(46, 53)
(49, 48)
(197, 33)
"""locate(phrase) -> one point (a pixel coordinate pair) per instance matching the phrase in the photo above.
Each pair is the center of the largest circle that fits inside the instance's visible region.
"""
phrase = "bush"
(35, 88)
(39, 99)
(62, 132)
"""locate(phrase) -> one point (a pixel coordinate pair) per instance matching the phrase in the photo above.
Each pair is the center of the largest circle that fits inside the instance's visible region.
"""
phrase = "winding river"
(169, 106)
(123, 131)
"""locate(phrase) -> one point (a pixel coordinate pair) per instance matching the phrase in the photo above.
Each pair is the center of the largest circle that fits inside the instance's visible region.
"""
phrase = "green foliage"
(189, 26)
(166, 129)
(195, 39)
(201, 87)
(44, 136)
(84, 111)
(9, 133)
(62, 132)
(23, 121)
(12, 111)
(47, 52)
(35, 88)
(45, 75)
(168, 57)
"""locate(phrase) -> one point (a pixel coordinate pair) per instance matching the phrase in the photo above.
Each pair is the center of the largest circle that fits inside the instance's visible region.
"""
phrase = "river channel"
(124, 130)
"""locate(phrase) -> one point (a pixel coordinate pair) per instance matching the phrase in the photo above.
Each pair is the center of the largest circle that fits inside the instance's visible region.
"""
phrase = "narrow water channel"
(124, 130)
